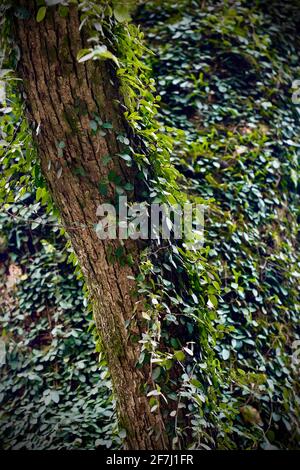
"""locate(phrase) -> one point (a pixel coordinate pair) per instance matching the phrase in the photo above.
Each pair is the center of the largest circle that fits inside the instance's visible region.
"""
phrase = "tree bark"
(62, 97)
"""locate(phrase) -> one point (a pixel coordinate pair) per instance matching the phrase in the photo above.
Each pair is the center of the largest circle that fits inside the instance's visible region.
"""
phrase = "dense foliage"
(221, 320)
(53, 392)
(225, 74)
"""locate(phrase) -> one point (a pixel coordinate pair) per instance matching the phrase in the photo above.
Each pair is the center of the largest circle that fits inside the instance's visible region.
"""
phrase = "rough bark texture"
(62, 96)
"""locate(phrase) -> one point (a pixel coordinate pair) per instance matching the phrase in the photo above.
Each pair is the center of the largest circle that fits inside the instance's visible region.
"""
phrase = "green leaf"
(54, 396)
(114, 178)
(102, 189)
(129, 187)
(213, 299)
(101, 52)
(146, 316)
(294, 177)
(34, 225)
(93, 125)
(119, 252)
(84, 55)
(121, 13)
(225, 354)
(107, 125)
(106, 159)
(63, 11)
(122, 433)
(196, 383)
(41, 14)
(125, 157)
(156, 373)
(179, 355)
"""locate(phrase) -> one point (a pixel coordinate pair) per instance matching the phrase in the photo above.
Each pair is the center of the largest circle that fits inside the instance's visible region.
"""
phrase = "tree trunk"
(62, 97)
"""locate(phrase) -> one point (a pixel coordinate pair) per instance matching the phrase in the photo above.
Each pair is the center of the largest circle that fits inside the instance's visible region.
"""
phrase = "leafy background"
(53, 392)
(225, 74)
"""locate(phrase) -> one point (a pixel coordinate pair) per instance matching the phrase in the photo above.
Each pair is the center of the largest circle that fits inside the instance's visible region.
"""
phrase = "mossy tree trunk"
(62, 96)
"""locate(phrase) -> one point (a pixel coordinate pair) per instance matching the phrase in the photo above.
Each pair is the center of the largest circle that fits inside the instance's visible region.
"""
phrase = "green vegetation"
(54, 394)
(225, 76)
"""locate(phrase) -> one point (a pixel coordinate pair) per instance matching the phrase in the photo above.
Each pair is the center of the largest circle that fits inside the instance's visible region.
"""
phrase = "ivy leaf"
(146, 316)
(196, 383)
(41, 14)
(125, 157)
(34, 225)
(119, 252)
(213, 301)
(102, 189)
(294, 177)
(121, 13)
(107, 125)
(100, 52)
(114, 178)
(63, 11)
(106, 159)
(129, 187)
(54, 396)
(153, 393)
(93, 125)
(84, 55)
(156, 373)
(225, 354)
(179, 355)
(122, 433)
